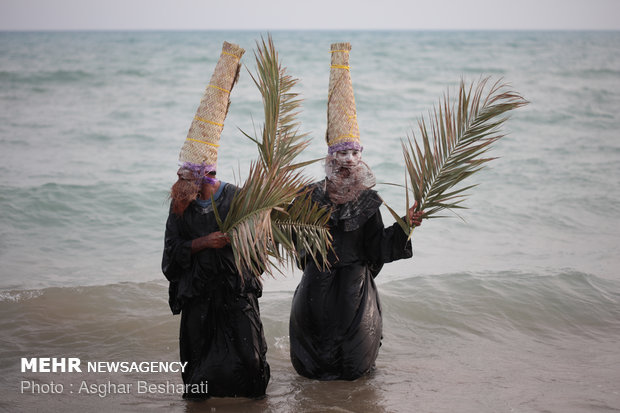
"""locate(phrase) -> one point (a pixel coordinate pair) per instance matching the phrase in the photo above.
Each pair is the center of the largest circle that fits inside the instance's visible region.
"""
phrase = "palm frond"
(301, 231)
(451, 151)
(270, 220)
(281, 141)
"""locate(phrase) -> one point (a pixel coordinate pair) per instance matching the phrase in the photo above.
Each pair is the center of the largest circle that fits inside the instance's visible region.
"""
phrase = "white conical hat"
(342, 129)
(200, 148)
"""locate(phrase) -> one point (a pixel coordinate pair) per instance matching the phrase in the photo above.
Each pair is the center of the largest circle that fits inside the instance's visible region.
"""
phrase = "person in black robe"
(221, 334)
(336, 324)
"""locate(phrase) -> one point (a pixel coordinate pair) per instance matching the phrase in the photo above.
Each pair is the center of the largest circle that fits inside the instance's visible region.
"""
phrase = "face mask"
(348, 158)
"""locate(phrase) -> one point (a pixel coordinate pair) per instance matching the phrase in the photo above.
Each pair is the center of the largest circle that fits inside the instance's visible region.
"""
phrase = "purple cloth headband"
(200, 171)
(344, 146)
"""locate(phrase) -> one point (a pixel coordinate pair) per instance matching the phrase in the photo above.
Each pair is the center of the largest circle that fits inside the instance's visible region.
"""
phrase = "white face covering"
(347, 176)
(348, 158)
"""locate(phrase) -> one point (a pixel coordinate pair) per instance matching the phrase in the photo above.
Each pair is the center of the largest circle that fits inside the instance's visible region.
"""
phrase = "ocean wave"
(46, 77)
(595, 73)
(502, 303)
(17, 295)
(75, 205)
(567, 301)
(479, 327)
(111, 321)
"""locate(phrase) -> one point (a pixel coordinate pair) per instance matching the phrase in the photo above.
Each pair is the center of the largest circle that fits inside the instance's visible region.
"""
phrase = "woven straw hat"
(199, 152)
(342, 129)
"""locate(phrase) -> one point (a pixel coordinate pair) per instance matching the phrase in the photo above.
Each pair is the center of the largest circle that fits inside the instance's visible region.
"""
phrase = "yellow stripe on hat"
(205, 142)
(342, 138)
(208, 121)
(219, 88)
(230, 54)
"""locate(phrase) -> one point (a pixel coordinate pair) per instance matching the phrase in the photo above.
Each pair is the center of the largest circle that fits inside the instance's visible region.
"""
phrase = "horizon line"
(30, 30)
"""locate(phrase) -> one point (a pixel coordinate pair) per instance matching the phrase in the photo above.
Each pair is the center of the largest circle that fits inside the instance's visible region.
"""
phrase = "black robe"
(221, 334)
(336, 325)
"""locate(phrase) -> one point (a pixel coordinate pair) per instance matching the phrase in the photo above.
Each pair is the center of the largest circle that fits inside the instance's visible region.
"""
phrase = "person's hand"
(216, 239)
(415, 218)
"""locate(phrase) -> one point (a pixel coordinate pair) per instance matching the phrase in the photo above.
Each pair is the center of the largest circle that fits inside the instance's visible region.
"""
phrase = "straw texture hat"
(342, 129)
(200, 148)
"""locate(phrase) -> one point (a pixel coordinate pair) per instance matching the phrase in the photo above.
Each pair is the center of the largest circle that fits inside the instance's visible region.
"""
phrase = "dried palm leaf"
(271, 218)
(459, 135)
(281, 141)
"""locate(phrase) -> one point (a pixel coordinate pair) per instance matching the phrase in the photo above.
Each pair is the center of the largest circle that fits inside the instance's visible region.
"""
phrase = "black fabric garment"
(221, 334)
(336, 324)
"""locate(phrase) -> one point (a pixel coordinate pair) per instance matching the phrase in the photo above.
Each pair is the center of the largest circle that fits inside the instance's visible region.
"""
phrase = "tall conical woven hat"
(200, 147)
(342, 129)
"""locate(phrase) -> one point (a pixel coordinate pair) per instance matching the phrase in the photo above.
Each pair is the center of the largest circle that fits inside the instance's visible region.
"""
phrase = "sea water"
(511, 306)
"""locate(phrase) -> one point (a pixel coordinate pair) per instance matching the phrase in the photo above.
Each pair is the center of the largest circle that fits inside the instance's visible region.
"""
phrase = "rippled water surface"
(514, 308)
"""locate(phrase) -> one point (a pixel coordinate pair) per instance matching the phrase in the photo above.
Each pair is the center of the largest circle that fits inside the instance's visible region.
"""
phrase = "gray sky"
(308, 14)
